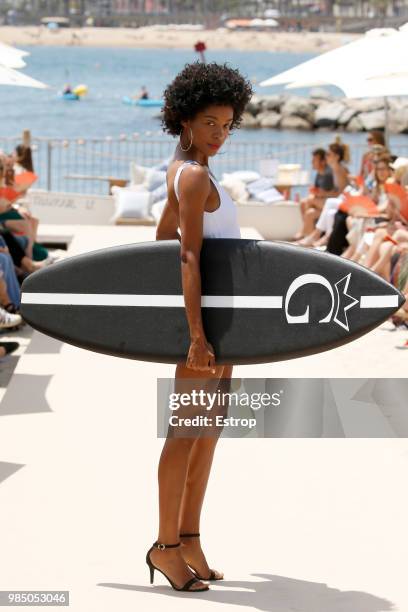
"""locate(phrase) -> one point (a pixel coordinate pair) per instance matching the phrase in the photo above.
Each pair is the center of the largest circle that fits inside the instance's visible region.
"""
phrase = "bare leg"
(349, 253)
(309, 231)
(172, 476)
(29, 265)
(306, 206)
(23, 225)
(197, 478)
(4, 296)
(383, 264)
(373, 251)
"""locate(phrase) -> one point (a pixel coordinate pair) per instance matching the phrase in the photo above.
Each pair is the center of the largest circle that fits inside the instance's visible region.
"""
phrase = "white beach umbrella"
(8, 76)
(372, 66)
(11, 57)
(378, 52)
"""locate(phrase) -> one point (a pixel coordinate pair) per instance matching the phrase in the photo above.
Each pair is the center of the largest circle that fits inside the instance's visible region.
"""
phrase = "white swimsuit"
(222, 222)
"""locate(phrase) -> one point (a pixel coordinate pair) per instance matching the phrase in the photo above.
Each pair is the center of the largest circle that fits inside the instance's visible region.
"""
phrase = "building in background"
(210, 12)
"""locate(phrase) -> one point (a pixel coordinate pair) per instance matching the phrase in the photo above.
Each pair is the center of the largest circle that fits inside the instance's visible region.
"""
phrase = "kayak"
(143, 102)
(68, 96)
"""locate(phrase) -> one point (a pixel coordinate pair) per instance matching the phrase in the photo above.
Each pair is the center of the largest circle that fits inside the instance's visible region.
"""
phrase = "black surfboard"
(262, 301)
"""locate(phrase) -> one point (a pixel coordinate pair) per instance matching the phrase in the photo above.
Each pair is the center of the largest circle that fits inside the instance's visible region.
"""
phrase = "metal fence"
(88, 166)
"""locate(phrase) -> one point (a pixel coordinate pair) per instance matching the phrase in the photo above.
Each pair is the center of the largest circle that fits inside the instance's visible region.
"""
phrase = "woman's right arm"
(194, 186)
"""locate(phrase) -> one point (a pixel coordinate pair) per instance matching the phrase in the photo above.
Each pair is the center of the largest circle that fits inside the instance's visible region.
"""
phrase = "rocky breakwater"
(323, 111)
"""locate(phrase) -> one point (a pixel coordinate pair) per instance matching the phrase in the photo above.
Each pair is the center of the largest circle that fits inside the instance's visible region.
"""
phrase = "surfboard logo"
(341, 301)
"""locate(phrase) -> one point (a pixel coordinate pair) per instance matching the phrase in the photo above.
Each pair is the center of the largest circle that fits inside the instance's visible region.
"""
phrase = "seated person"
(337, 157)
(323, 185)
(15, 217)
(379, 195)
(374, 138)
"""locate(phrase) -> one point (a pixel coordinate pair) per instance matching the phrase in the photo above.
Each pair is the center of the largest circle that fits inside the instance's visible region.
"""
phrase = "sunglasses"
(370, 139)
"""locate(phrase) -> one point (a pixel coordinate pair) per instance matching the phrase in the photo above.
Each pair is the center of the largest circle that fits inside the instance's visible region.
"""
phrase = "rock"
(365, 105)
(346, 116)
(271, 103)
(249, 121)
(374, 120)
(300, 107)
(321, 94)
(398, 122)
(254, 105)
(355, 124)
(396, 104)
(292, 122)
(269, 119)
(328, 114)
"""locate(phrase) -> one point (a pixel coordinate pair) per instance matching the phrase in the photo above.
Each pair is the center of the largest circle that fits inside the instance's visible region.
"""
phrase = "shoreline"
(155, 38)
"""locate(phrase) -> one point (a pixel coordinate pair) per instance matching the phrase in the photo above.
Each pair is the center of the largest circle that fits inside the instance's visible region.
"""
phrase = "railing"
(88, 166)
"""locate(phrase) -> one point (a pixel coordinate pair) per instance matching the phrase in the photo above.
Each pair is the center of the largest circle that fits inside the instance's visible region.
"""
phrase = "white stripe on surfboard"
(379, 301)
(208, 301)
(110, 299)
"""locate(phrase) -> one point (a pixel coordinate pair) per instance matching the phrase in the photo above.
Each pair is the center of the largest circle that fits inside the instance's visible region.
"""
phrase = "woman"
(23, 159)
(374, 138)
(202, 105)
(337, 157)
(15, 217)
(382, 173)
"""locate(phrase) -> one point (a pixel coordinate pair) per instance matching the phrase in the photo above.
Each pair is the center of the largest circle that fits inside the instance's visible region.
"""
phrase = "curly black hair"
(200, 85)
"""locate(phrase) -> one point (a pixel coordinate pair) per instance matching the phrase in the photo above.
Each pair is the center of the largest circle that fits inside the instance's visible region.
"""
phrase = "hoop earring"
(191, 142)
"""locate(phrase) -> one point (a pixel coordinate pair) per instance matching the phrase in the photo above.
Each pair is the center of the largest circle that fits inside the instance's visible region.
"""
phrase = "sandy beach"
(155, 37)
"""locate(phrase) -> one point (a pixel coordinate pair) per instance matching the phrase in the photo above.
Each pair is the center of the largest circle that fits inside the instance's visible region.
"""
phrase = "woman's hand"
(201, 356)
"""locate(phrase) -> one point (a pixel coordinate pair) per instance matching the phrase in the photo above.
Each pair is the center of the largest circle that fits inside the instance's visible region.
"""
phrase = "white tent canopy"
(375, 65)
(380, 52)
(11, 57)
(8, 76)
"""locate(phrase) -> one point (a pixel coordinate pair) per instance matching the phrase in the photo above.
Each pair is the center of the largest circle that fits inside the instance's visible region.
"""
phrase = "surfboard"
(262, 301)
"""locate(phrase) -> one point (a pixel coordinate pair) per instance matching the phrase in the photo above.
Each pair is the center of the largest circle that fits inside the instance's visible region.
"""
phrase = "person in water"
(202, 105)
(67, 89)
(144, 94)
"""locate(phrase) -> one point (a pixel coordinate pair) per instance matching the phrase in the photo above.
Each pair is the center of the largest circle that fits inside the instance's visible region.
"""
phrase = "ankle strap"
(189, 535)
(163, 546)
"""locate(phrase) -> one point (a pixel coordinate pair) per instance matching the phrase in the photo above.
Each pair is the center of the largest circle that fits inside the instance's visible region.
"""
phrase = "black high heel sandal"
(186, 586)
(212, 575)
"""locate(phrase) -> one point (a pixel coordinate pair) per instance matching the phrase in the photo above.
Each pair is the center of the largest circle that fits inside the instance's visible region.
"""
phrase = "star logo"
(344, 302)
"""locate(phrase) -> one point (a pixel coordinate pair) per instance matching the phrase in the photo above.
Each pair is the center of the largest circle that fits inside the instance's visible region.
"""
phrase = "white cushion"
(137, 173)
(131, 204)
(235, 187)
(154, 178)
(246, 176)
(260, 185)
(270, 195)
(157, 209)
(159, 193)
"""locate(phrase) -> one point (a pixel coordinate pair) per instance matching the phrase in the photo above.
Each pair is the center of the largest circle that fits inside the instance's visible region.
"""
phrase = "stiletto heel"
(212, 575)
(186, 586)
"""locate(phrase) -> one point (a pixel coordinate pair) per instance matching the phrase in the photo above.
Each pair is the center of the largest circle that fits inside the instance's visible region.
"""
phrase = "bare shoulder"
(193, 175)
